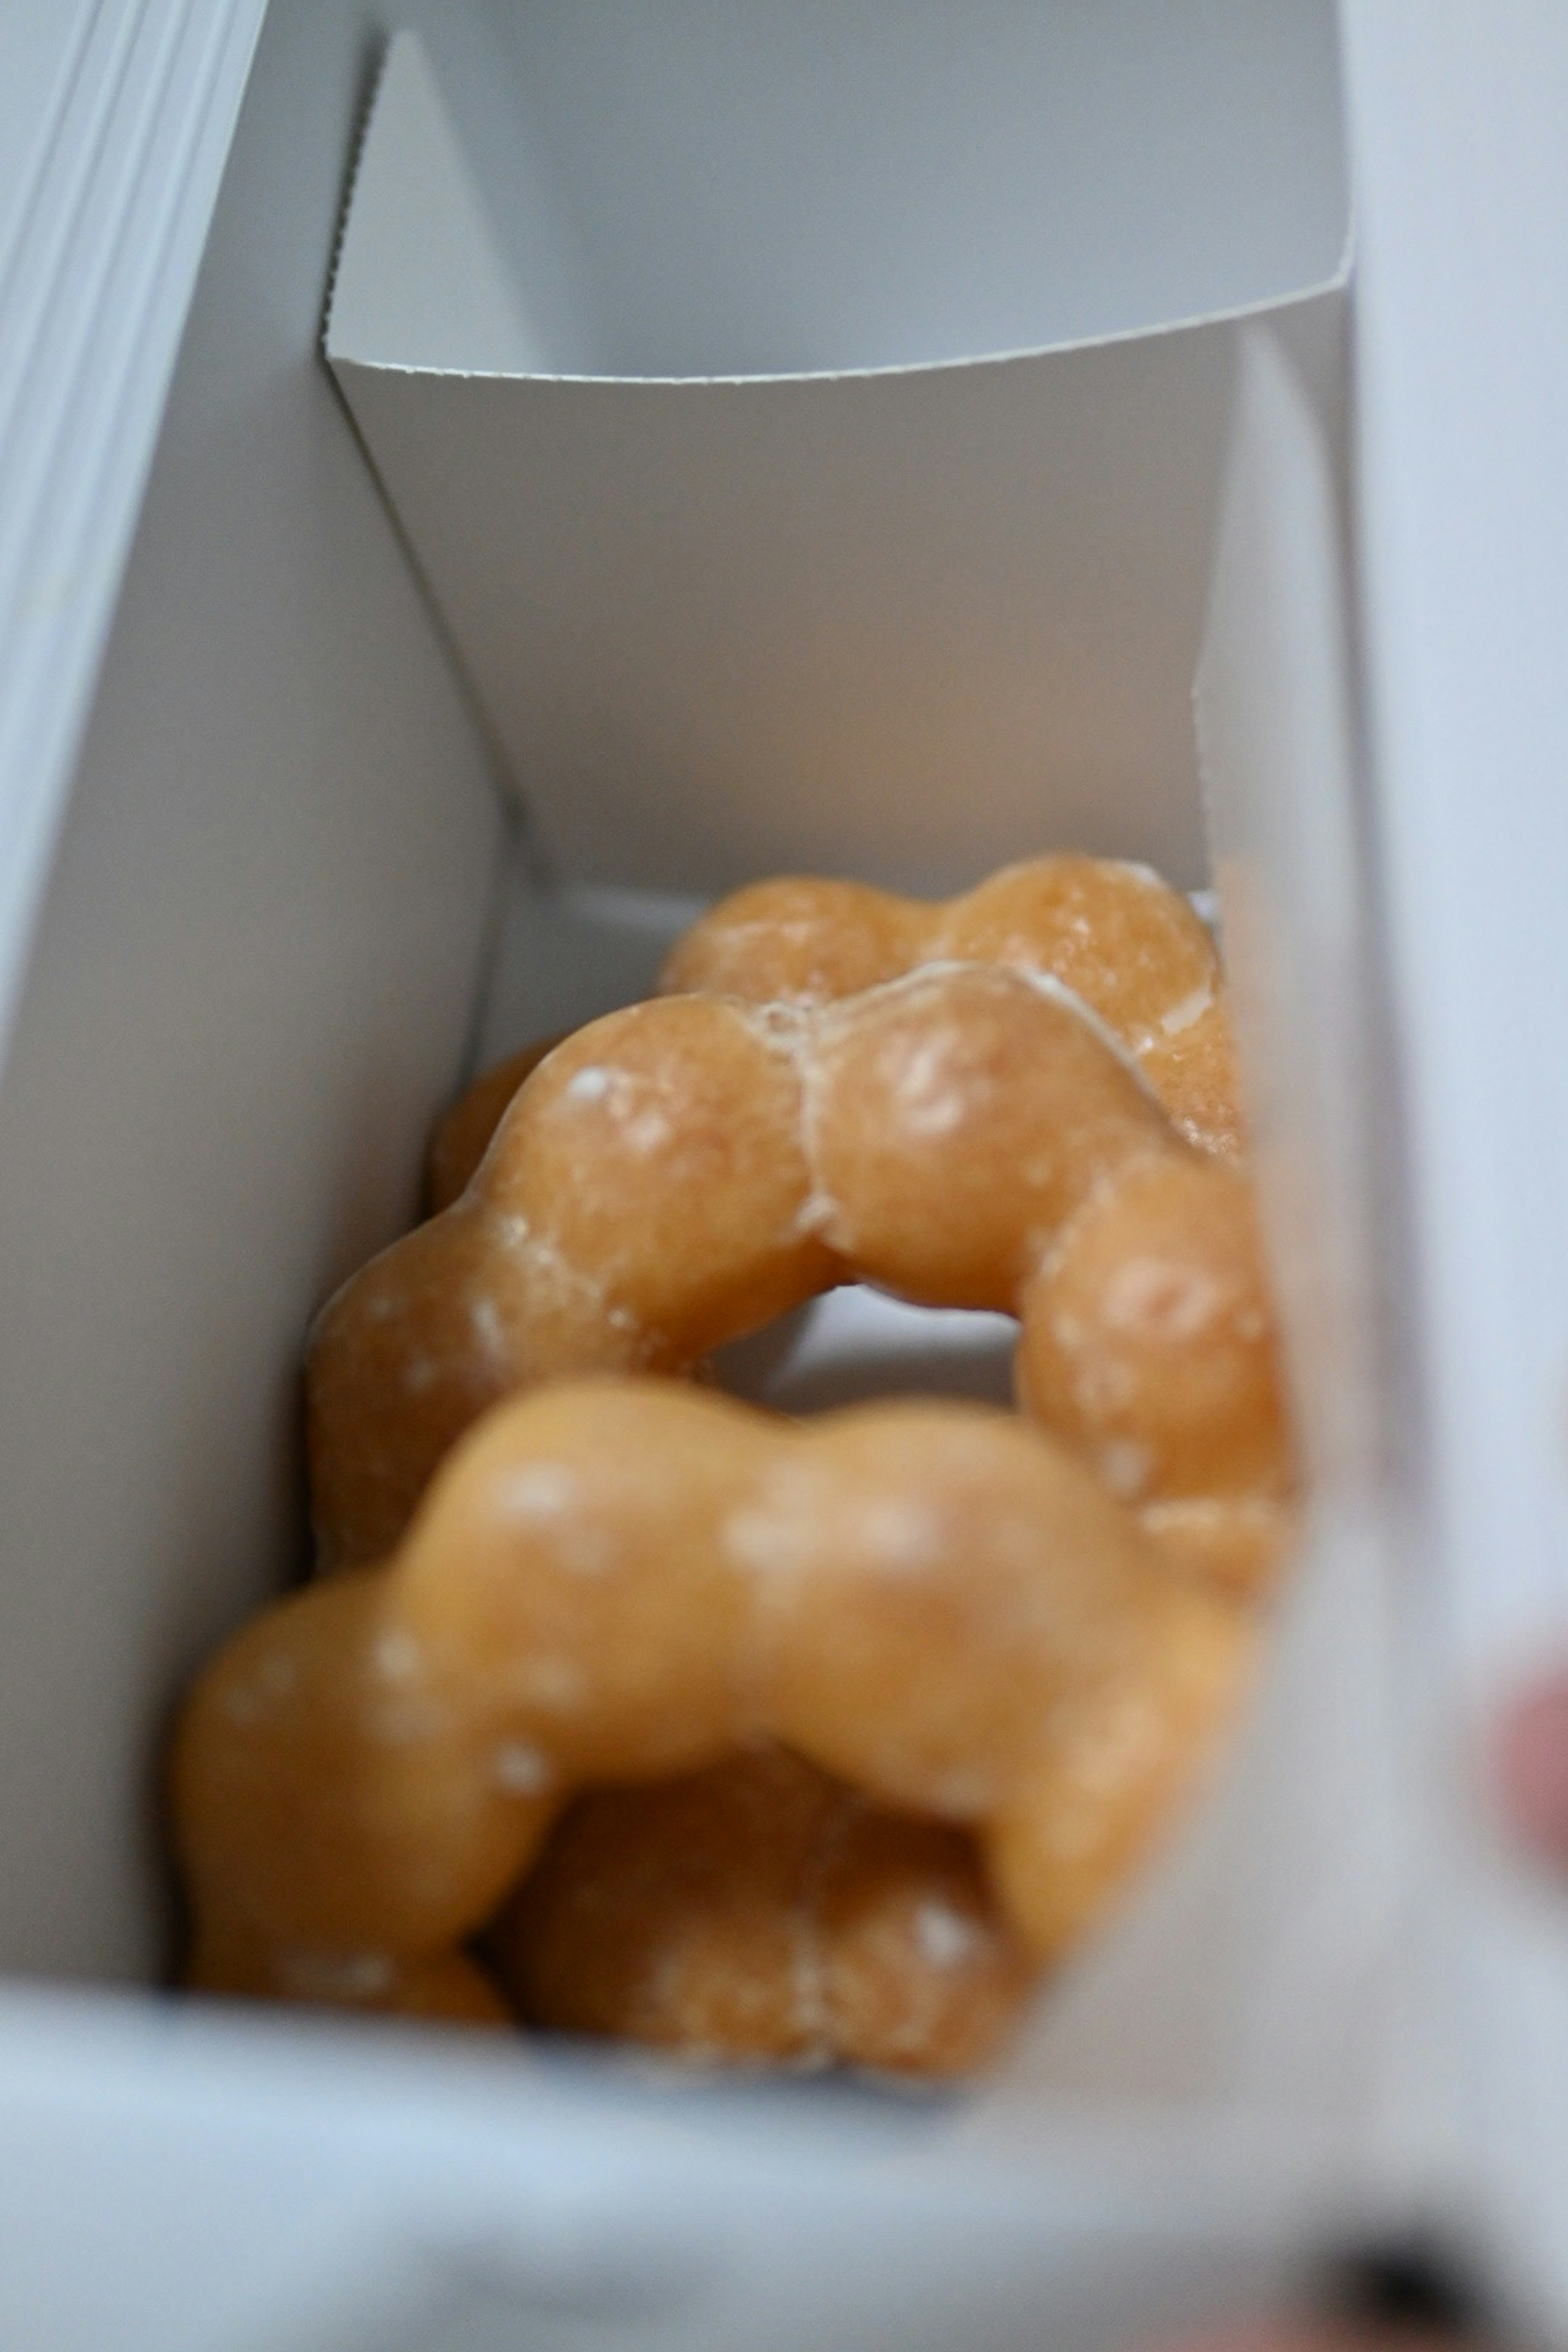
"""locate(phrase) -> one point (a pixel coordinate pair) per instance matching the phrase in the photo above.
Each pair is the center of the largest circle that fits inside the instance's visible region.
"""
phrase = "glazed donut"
(760, 1909)
(1121, 939)
(676, 1174)
(1115, 934)
(619, 1581)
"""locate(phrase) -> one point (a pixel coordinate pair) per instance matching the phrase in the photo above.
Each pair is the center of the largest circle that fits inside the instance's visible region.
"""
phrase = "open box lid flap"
(861, 622)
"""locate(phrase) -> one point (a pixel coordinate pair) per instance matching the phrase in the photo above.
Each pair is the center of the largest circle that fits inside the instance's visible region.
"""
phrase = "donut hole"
(858, 1343)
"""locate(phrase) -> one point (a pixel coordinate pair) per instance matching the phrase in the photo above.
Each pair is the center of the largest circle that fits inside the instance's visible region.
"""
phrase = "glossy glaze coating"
(675, 1175)
(1115, 934)
(619, 1581)
(763, 1910)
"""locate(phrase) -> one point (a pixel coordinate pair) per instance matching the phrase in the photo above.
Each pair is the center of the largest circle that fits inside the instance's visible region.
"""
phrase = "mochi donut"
(763, 1910)
(1118, 937)
(1114, 933)
(676, 1174)
(623, 1581)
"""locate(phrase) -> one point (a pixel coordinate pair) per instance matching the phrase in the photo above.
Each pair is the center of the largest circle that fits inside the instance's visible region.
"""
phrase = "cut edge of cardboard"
(419, 284)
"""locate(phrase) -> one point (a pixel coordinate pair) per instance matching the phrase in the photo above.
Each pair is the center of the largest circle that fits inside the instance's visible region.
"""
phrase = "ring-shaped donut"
(675, 1175)
(1118, 937)
(621, 1580)
(1127, 944)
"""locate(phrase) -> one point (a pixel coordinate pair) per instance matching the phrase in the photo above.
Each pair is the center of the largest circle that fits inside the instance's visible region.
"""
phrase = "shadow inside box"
(857, 1344)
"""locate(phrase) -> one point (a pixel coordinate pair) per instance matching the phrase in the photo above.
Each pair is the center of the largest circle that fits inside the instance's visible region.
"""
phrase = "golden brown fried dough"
(675, 1175)
(1121, 939)
(1130, 948)
(462, 1139)
(799, 941)
(1148, 1342)
(763, 1910)
(619, 1581)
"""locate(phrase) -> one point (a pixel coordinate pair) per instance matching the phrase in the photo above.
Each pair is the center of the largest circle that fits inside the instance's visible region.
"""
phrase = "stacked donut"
(652, 1714)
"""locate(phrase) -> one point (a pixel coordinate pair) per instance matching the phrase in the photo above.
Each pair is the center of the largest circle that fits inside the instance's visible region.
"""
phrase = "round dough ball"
(797, 940)
(1149, 1343)
(762, 1911)
(661, 1147)
(581, 1594)
(955, 1120)
(935, 1576)
(333, 1795)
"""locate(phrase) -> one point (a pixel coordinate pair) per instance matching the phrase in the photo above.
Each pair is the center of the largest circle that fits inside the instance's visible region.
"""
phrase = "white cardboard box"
(284, 878)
